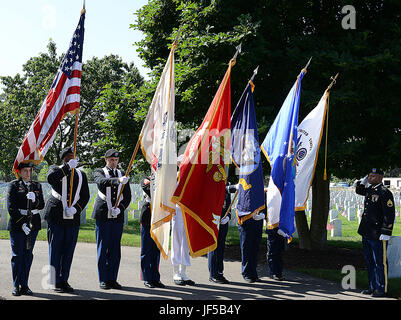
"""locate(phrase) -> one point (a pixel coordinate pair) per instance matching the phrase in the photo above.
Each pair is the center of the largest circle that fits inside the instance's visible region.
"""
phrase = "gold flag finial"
(83, 9)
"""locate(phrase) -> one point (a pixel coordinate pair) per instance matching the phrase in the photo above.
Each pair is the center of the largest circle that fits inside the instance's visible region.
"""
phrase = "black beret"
(25, 165)
(112, 153)
(377, 171)
(65, 151)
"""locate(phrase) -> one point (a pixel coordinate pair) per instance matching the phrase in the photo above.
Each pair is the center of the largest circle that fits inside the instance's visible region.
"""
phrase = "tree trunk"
(320, 212)
(303, 230)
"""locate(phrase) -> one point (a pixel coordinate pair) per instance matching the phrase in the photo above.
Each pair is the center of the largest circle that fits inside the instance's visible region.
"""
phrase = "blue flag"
(279, 148)
(246, 156)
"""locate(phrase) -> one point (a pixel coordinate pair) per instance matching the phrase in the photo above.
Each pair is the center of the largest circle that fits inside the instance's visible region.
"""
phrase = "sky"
(26, 27)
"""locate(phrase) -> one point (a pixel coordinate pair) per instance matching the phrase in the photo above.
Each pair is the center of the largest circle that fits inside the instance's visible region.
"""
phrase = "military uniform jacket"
(17, 204)
(54, 207)
(379, 212)
(100, 210)
(146, 214)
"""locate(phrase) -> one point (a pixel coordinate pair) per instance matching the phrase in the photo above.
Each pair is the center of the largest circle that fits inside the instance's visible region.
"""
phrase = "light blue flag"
(282, 134)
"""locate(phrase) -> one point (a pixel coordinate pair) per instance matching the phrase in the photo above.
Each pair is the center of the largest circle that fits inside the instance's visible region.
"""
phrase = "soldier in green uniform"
(375, 228)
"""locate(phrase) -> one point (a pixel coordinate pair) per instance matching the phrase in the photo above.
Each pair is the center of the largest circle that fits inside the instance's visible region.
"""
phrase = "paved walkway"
(84, 280)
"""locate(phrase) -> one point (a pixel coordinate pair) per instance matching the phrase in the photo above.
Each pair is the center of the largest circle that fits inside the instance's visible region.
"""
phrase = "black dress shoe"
(189, 282)
(16, 291)
(26, 291)
(115, 285)
(277, 277)
(68, 288)
(149, 284)
(59, 287)
(377, 294)
(367, 291)
(104, 285)
(179, 282)
(158, 284)
(250, 280)
(219, 280)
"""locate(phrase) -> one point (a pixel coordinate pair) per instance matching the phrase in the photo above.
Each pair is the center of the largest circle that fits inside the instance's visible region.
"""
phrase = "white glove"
(73, 163)
(115, 212)
(364, 181)
(70, 211)
(123, 179)
(259, 216)
(225, 220)
(31, 196)
(26, 229)
(384, 237)
(282, 233)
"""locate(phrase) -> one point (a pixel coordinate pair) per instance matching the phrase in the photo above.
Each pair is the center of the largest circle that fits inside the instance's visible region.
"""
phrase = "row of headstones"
(346, 203)
(349, 205)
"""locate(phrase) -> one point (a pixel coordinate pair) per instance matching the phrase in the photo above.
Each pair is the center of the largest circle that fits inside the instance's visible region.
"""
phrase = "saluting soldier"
(24, 200)
(375, 228)
(110, 218)
(63, 219)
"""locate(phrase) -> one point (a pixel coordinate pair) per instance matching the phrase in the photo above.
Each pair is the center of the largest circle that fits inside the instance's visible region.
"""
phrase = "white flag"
(158, 143)
(309, 136)
(273, 204)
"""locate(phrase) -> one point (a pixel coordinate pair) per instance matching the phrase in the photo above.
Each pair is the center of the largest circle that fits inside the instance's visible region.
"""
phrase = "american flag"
(63, 97)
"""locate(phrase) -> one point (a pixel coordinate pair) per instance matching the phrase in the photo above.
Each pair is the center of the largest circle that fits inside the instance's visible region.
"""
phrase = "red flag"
(202, 178)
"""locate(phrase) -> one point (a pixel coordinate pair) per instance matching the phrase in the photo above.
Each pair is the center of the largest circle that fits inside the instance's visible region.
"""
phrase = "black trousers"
(216, 257)
(275, 249)
(150, 256)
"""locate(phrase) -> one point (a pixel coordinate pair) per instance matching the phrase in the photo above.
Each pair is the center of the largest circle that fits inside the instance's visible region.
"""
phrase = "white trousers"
(179, 244)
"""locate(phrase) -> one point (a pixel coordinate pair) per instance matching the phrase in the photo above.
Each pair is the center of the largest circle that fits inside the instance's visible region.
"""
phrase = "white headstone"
(83, 216)
(350, 214)
(336, 231)
(394, 257)
(333, 214)
(3, 219)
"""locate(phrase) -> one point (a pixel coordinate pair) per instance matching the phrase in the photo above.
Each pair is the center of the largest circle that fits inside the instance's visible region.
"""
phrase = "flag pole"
(129, 168)
(75, 135)
(231, 204)
(327, 123)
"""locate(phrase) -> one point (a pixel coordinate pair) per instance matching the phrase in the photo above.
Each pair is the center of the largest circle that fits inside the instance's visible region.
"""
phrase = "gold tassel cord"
(327, 130)
(327, 123)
